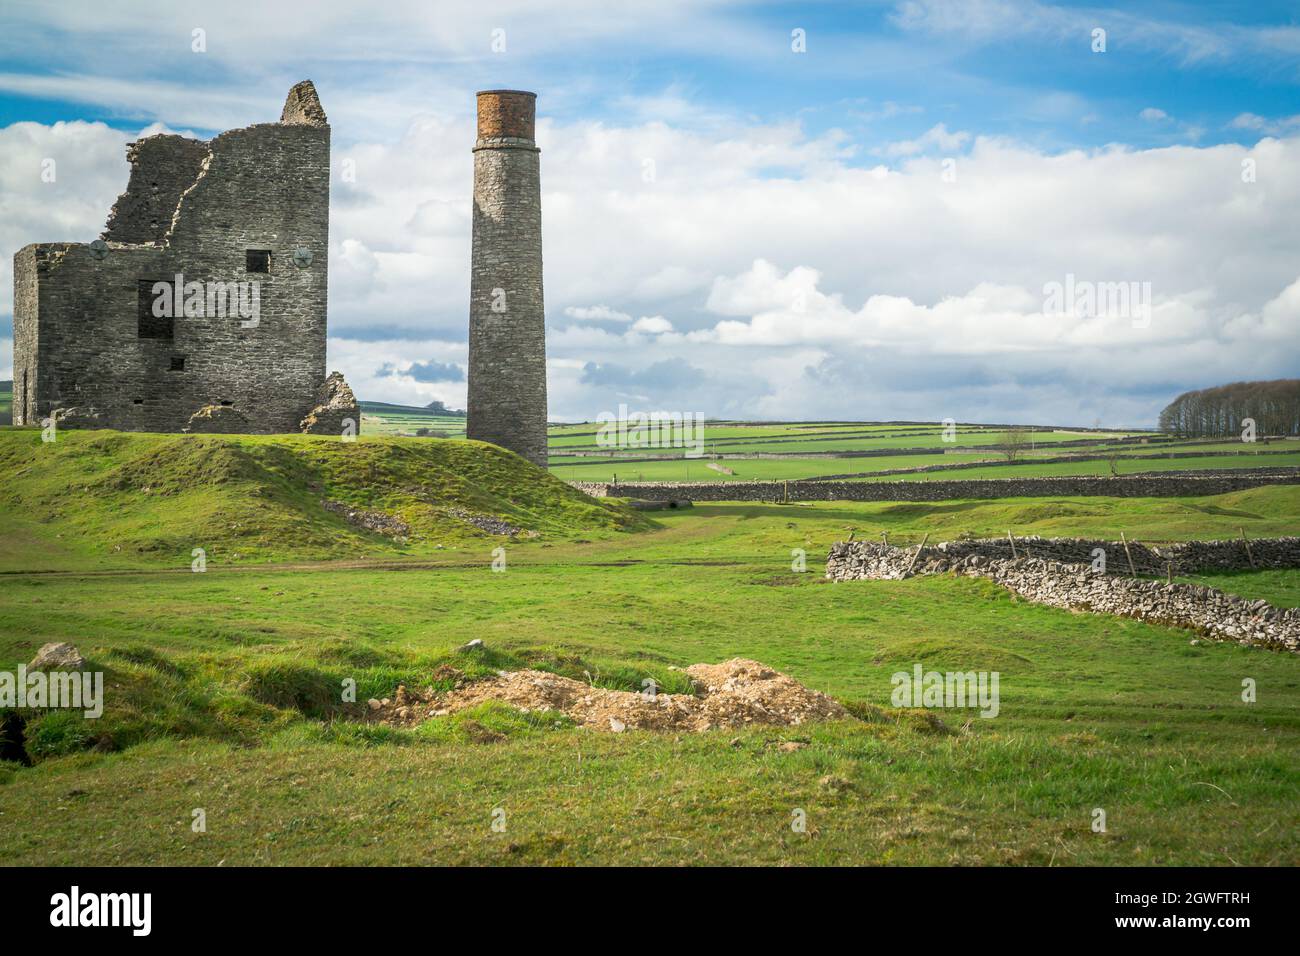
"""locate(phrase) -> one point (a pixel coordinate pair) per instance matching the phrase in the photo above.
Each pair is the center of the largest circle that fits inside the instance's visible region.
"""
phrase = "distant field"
(828, 437)
(381, 418)
(747, 469)
(6, 403)
(1124, 467)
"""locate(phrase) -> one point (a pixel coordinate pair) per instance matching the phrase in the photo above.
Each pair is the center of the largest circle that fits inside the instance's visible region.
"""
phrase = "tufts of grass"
(57, 733)
(491, 722)
(289, 685)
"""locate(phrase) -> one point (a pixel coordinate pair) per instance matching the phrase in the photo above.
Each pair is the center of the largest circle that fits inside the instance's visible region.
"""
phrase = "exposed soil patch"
(735, 693)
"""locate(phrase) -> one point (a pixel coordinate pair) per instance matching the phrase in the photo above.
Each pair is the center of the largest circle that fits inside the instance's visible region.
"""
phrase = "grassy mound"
(104, 497)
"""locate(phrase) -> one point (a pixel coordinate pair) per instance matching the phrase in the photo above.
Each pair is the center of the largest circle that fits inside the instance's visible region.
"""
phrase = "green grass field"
(798, 442)
(6, 403)
(773, 469)
(380, 418)
(223, 686)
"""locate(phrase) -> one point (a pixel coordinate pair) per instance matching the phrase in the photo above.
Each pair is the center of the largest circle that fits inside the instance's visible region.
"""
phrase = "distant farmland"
(873, 450)
(385, 419)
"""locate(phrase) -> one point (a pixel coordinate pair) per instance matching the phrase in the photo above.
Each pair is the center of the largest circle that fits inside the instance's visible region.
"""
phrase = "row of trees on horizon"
(1221, 411)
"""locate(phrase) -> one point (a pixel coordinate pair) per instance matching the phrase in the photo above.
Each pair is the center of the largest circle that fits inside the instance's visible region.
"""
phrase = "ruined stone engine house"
(237, 229)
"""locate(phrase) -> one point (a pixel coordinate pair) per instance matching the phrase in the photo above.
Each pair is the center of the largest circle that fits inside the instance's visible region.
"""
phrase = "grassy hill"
(222, 691)
(98, 497)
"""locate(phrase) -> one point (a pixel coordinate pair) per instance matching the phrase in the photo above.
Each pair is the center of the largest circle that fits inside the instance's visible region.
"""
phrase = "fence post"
(918, 552)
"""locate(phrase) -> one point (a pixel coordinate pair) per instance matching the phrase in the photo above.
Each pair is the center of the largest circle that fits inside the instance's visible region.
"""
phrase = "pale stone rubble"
(735, 693)
(1059, 573)
(336, 406)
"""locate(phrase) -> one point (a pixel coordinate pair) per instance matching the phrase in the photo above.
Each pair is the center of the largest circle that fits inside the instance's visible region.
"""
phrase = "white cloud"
(794, 281)
(368, 368)
(1153, 115)
(652, 325)
(935, 138)
(1262, 124)
(597, 313)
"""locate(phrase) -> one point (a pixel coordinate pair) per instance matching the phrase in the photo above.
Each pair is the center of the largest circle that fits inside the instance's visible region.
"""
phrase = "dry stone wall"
(1154, 485)
(1075, 585)
(1187, 557)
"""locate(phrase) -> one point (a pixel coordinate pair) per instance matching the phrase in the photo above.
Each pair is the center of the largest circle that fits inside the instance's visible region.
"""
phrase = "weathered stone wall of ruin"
(1126, 486)
(507, 349)
(1207, 611)
(26, 336)
(263, 187)
(162, 168)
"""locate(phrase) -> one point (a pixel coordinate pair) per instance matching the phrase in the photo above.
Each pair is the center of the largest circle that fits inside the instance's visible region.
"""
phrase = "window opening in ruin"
(227, 403)
(258, 260)
(150, 326)
(178, 363)
(137, 401)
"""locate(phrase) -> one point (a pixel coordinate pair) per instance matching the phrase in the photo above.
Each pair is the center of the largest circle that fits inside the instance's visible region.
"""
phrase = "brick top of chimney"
(506, 114)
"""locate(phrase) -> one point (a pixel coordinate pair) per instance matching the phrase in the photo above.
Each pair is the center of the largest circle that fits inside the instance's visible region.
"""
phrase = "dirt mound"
(732, 694)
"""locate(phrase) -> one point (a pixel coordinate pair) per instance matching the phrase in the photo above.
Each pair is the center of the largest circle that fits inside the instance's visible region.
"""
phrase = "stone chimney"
(507, 330)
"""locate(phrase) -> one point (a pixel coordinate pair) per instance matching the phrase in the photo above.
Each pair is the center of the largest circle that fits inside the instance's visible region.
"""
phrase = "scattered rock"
(376, 521)
(335, 405)
(59, 656)
(472, 645)
(488, 523)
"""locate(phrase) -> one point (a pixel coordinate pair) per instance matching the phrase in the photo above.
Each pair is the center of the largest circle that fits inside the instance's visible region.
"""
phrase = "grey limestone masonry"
(507, 331)
(1059, 572)
(1126, 486)
(233, 209)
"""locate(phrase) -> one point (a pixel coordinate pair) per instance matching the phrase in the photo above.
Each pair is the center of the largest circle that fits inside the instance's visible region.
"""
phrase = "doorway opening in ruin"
(258, 260)
(149, 325)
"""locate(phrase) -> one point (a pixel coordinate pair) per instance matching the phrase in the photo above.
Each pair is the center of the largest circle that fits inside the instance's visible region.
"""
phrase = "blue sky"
(994, 67)
(776, 173)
